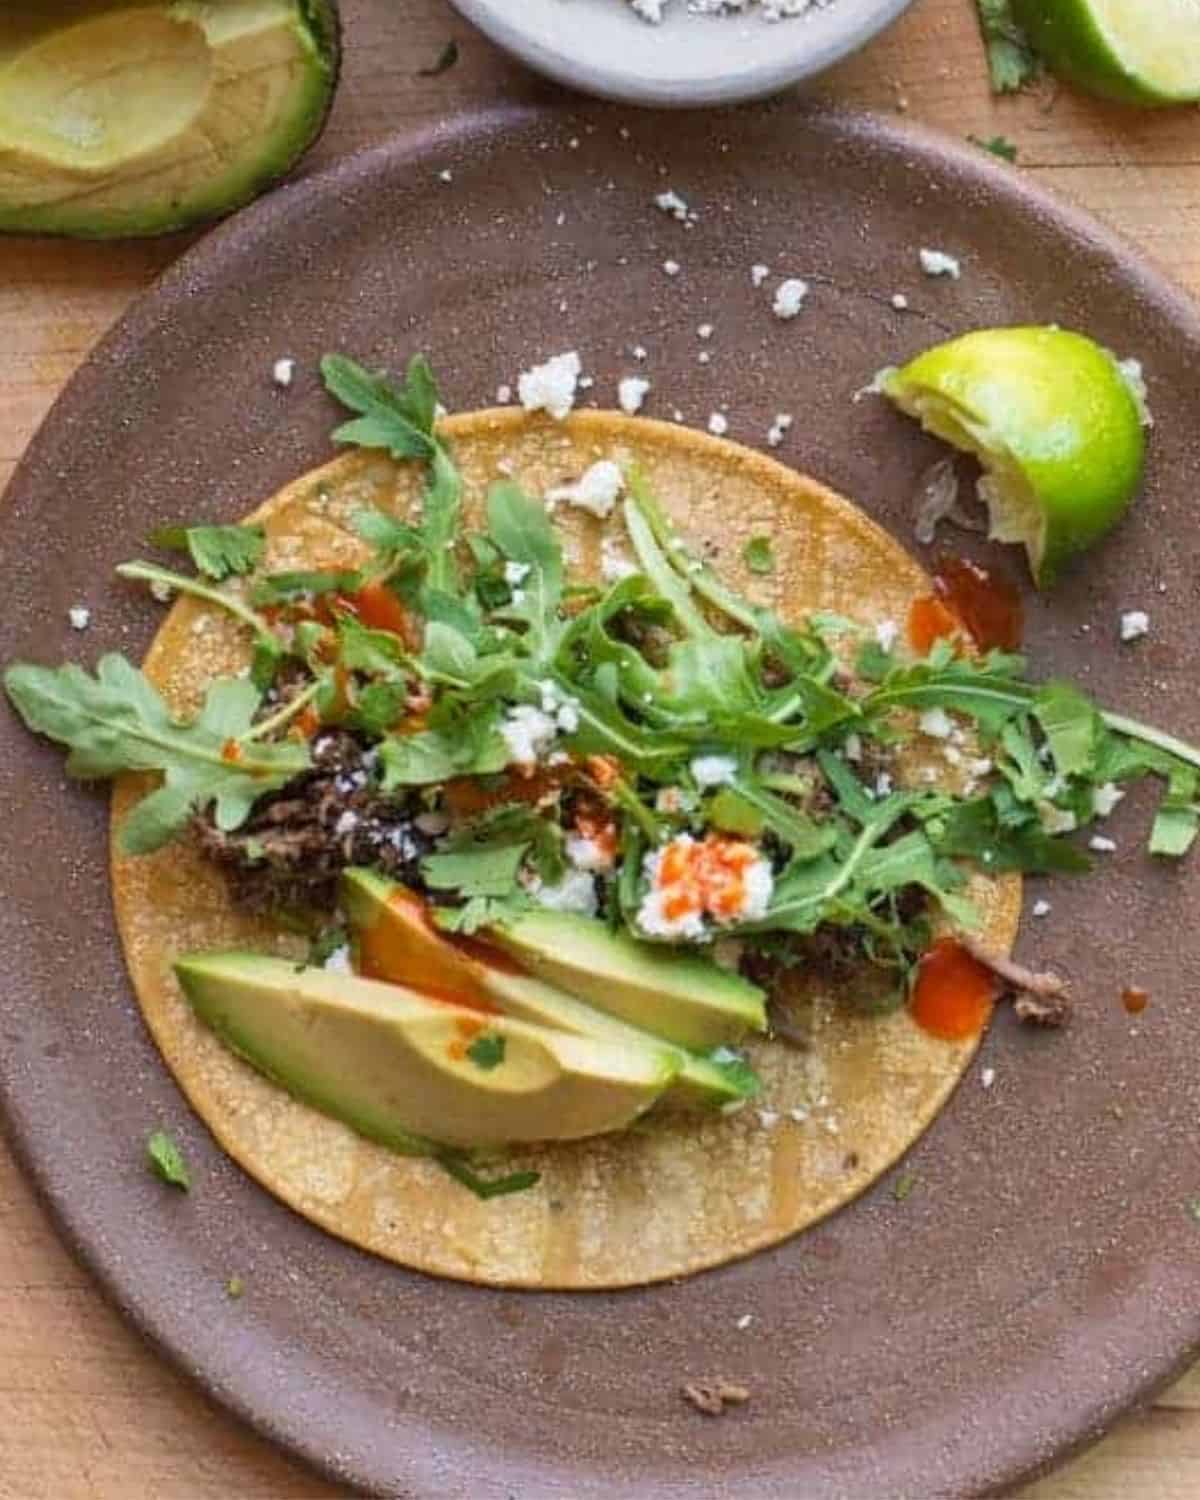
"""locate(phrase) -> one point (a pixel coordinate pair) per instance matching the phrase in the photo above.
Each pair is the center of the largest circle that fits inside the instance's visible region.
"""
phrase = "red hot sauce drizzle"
(954, 992)
(967, 600)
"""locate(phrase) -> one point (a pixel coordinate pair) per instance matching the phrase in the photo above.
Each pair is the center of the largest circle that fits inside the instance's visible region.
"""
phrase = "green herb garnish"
(217, 551)
(487, 1051)
(167, 1161)
(758, 555)
(457, 1166)
(1012, 62)
(235, 1287)
(903, 1187)
(996, 145)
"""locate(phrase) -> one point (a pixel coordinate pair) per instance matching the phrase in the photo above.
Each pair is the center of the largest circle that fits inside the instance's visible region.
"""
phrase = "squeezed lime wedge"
(1055, 421)
(1137, 51)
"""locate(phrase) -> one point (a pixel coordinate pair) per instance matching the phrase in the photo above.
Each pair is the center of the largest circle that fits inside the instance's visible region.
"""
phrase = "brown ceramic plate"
(1045, 1271)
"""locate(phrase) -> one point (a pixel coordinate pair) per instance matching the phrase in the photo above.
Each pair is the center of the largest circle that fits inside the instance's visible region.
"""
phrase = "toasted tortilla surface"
(677, 1194)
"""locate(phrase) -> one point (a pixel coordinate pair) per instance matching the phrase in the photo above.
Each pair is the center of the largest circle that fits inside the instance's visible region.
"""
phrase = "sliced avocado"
(146, 116)
(395, 942)
(395, 1066)
(680, 996)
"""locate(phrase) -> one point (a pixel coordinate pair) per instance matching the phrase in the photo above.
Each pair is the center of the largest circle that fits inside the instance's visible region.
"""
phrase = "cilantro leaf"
(217, 551)
(758, 555)
(488, 870)
(456, 1164)
(487, 1050)
(996, 145)
(117, 722)
(396, 417)
(480, 912)
(1012, 62)
(167, 1161)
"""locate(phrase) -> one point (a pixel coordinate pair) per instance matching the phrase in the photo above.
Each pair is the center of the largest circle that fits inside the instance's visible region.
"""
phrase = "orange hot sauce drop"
(969, 600)
(954, 992)
(1135, 1000)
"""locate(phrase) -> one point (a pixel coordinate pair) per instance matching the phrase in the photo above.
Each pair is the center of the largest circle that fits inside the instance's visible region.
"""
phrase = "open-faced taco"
(558, 835)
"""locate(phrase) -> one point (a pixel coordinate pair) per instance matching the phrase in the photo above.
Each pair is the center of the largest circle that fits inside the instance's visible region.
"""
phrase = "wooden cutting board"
(86, 1410)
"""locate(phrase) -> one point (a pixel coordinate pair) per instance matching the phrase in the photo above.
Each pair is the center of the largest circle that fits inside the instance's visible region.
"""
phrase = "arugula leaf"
(1071, 725)
(487, 1051)
(167, 1161)
(974, 830)
(1012, 62)
(285, 588)
(217, 551)
(378, 708)
(805, 838)
(456, 1164)
(385, 533)
(988, 691)
(268, 649)
(1178, 818)
(117, 722)
(436, 755)
(758, 555)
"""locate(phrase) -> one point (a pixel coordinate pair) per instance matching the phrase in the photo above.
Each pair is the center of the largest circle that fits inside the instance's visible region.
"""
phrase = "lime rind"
(1115, 49)
(1055, 422)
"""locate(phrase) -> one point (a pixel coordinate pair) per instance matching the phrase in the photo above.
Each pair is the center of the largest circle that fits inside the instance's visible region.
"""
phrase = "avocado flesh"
(680, 996)
(395, 943)
(398, 1067)
(143, 117)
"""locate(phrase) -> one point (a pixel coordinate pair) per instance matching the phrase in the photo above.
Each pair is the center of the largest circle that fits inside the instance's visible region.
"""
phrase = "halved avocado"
(405, 1070)
(137, 118)
(395, 942)
(680, 996)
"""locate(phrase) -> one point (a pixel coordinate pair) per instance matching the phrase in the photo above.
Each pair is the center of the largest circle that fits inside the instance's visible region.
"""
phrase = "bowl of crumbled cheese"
(681, 53)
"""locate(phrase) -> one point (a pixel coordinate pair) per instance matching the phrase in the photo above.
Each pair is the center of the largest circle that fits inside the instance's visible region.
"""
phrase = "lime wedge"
(1053, 419)
(1138, 51)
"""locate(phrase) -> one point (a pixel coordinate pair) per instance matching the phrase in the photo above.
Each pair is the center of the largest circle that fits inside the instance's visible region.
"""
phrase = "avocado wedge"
(683, 997)
(395, 942)
(137, 118)
(405, 1070)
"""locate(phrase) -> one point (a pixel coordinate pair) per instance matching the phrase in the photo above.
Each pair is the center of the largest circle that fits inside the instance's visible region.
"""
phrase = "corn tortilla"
(677, 1194)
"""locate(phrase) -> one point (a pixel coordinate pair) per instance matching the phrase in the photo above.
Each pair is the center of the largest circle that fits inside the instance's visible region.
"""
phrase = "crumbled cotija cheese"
(283, 371)
(631, 393)
(671, 203)
(779, 428)
(80, 616)
(789, 297)
(550, 387)
(1134, 623)
(718, 423)
(575, 892)
(768, 10)
(527, 732)
(714, 770)
(597, 490)
(938, 263)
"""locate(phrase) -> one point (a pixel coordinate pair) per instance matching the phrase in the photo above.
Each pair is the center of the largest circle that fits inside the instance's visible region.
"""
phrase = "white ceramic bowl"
(604, 48)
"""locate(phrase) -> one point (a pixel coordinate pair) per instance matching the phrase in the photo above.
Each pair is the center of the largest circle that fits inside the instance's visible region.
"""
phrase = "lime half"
(1055, 422)
(1138, 51)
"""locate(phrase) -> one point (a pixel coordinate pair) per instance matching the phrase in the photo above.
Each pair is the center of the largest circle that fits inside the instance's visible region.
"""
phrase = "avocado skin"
(700, 1084)
(398, 1067)
(322, 18)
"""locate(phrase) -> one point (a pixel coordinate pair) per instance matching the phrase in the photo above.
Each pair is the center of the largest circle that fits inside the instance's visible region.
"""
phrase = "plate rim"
(1017, 1463)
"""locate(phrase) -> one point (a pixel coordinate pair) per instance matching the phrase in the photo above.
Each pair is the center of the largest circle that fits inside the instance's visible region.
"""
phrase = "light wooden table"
(85, 1409)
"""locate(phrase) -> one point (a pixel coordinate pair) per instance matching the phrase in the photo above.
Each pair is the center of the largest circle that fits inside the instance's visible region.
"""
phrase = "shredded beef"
(289, 854)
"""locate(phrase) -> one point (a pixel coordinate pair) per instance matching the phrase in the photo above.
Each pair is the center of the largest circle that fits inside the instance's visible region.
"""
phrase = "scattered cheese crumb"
(445, 175)
(503, 395)
(899, 301)
(745, 1321)
(671, 203)
(767, 1118)
(938, 263)
(596, 490)
(936, 723)
(1041, 908)
(516, 572)
(283, 371)
(1105, 798)
(714, 770)
(759, 274)
(575, 892)
(588, 854)
(550, 387)
(80, 616)
(672, 267)
(704, 331)
(987, 1077)
(885, 634)
(639, 352)
(631, 393)
(789, 297)
(1102, 845)
(1134, 623)
(338, 961)
(527, 731)
(718, 423)
(779, 428)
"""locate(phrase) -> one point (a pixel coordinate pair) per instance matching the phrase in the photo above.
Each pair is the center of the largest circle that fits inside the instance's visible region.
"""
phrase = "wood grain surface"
(87, 1412)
